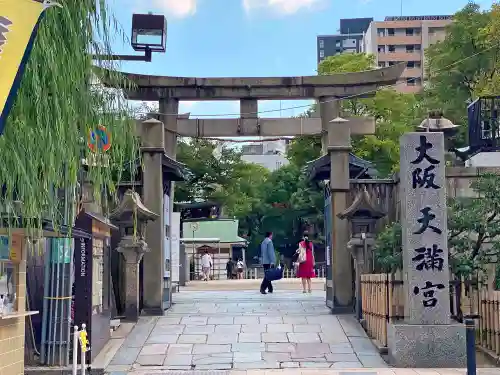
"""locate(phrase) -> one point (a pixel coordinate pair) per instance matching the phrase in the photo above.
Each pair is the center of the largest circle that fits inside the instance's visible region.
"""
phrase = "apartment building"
(270, 154)
(405, 39)
(350, 39)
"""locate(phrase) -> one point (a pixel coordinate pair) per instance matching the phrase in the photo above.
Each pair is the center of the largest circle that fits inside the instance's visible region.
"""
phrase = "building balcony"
(400, 56)
(400, 40)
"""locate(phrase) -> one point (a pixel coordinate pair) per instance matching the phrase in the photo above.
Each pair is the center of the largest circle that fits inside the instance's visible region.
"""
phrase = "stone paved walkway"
(244, 330)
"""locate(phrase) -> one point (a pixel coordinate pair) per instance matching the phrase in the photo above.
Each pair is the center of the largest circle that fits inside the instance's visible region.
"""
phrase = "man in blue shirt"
(268, 261)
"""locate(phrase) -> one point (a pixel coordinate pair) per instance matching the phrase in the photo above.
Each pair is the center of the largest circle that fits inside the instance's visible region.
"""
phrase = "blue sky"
(216, 38)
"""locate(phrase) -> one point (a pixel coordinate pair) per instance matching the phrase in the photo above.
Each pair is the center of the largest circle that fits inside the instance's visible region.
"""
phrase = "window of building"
(390, 32)
(392, 48)
(410, 64)
(381, 32)
(337, 43)
(410, 48)
(321, 43)
(418, 81)
(409, 32)
(381, 64)
(417, 47)
(391, 63)
(417, 64)
(321, 53)
(417, 31)
(381, 49)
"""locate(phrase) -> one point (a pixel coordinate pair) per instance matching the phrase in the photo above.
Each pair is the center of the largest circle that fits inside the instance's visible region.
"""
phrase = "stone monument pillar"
(131, 216)
(426, 338)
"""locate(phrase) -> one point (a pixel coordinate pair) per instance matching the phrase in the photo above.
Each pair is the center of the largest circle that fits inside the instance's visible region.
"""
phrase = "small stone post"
(426, 338)
(131, 216)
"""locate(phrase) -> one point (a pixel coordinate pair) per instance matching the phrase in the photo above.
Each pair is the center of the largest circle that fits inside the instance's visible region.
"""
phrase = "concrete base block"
(427, 346)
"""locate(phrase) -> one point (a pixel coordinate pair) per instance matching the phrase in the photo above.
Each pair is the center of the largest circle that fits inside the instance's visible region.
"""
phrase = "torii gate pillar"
(336, 142)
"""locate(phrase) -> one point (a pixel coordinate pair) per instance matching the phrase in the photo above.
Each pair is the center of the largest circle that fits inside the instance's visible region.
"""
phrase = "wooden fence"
(383, 302)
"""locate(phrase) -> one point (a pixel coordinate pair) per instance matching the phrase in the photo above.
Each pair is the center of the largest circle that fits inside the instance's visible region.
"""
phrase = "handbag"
(273, 274)
(302, 255)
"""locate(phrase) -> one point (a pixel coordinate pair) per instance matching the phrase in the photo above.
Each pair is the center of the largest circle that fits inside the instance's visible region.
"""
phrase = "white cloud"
(177, 8)
(281, 6)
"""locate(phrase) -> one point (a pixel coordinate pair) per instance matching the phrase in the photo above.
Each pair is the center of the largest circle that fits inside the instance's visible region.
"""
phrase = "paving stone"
(356, 364)
(175, 349)
(274, 337)
(118, 369)
(260, 365)
(174, 367)
(363, 345)
(167, 320)
(192, 339)
(289, 364)
(125, 356)
(330, 338)
(303, 328)
(228, 338)
(249, 347)
(253, 328)
(341, 357)
(227, 328)
(154, 349)
(293, 319)
(372, 361)
(280, 347)
(304, 337)
(194, 320)
(311, 350)
(199, 330)
(151, 360)
(251, 320)
(211, 359)
(279, 328)
(176, 329)
(163, 339)
(315, 364)
(270, 320)
(178, 360)
(247, 356)
(250, 337)
(217, 320)
(275, 356)
(211, 349)
(218, 366)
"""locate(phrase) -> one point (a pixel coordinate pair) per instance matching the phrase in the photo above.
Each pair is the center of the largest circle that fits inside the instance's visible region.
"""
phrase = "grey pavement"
(244, 330)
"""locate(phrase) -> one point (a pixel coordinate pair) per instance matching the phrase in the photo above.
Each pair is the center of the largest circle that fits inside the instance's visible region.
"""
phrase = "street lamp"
(149, 34)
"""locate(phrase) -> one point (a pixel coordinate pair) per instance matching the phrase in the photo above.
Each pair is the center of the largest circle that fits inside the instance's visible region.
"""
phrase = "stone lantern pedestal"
(131, 216)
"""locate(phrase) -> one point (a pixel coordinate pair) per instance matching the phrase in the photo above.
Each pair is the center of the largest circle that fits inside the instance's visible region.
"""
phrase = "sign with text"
(424, 223)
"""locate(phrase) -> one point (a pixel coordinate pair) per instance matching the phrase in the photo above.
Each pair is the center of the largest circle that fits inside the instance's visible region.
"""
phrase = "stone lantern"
(132, 216)
(362, 216)
(436, 122)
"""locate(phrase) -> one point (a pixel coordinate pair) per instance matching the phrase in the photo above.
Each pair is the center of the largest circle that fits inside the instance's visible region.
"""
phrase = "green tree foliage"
(465, 64)
(395, 114)
(473, 231)
(57, 105)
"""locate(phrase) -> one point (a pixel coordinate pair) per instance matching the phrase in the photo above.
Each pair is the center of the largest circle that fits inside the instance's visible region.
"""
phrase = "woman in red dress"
(306, 268)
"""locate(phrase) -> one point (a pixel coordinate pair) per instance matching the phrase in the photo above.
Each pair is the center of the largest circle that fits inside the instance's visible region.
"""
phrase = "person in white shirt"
(206, 264)
(240, 266)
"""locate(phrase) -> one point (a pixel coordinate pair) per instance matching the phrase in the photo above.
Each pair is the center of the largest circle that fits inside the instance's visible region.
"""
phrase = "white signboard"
(175, 230)
(166, 252)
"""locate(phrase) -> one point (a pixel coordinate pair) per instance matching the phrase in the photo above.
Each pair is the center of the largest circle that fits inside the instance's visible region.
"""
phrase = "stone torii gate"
(168, 91)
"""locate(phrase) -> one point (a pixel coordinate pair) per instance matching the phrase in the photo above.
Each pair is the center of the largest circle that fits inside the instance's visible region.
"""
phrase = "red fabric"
(306, 269)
